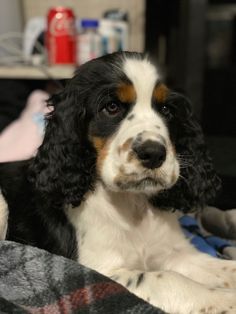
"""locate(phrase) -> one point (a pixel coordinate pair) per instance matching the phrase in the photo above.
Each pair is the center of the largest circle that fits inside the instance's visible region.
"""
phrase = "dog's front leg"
(3, 217)
(175, 293)
(205, 269)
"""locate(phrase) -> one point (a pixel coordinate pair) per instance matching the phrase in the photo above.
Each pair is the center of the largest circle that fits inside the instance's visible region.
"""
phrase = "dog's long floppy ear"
(65, 163)
(198, 183)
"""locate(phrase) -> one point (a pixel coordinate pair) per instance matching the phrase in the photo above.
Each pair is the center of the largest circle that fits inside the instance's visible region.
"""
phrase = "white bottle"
(89, 41)
(114, 35)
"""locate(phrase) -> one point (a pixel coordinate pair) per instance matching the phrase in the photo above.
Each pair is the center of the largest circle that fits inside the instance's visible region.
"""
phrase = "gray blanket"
(35, 281)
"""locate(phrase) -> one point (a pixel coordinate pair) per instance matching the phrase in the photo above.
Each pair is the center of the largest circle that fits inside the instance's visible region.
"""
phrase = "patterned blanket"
(35, 281)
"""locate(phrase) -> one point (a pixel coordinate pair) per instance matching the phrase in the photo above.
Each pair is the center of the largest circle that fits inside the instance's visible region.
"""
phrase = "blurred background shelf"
(36, 72)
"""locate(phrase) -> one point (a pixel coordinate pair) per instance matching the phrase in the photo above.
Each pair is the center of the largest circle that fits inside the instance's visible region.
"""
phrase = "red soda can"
(61, 36)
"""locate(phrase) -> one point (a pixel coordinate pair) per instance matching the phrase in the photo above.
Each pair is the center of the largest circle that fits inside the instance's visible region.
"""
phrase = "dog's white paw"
(221, 301)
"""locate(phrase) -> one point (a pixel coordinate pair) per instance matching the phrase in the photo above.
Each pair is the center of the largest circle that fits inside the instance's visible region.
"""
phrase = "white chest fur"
(118, 230)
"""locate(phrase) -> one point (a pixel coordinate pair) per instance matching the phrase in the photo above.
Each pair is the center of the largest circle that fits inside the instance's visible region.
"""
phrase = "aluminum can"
(61, 36)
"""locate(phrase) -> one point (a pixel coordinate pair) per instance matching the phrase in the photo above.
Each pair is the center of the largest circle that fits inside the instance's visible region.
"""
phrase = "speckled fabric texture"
(35, 281)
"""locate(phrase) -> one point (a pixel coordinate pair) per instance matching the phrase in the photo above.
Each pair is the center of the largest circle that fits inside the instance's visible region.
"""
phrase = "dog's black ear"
(64, 167)
(198, 183)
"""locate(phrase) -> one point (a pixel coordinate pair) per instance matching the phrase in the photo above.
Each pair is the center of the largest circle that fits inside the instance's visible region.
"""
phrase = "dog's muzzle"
(151, 154)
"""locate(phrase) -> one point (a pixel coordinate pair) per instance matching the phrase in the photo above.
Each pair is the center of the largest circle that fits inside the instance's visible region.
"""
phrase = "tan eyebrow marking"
(160, 93)
(126, 93)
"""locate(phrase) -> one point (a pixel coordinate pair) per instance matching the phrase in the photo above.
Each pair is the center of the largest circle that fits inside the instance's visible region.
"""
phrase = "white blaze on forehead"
(144, 76)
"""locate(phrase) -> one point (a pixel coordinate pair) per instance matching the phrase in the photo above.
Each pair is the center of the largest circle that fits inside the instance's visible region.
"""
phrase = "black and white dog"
(120, 152)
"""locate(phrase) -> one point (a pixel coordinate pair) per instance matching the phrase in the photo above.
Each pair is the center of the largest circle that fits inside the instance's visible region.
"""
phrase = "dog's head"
(118, 123)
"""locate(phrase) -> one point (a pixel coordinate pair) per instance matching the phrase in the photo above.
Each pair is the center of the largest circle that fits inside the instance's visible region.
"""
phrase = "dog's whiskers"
(184, 179)
(183, 161)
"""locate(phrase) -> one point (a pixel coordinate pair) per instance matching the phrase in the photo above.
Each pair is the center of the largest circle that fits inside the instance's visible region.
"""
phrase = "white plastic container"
(114, 35)
(88, 42)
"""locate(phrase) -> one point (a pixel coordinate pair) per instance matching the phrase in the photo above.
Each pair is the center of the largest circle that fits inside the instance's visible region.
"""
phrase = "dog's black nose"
(152, 154)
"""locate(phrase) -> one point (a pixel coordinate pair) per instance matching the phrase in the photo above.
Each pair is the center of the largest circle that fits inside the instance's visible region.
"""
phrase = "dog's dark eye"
(165, 110)
(112, 109)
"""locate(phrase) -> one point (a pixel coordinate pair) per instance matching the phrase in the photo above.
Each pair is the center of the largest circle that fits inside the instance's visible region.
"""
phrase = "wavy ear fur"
(198, 182)
(64, 167)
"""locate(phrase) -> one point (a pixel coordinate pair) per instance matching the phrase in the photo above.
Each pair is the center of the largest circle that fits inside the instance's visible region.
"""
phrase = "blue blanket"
(209, 244)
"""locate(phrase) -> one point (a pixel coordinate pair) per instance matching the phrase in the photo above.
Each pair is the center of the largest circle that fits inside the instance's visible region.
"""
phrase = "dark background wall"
(194, 41)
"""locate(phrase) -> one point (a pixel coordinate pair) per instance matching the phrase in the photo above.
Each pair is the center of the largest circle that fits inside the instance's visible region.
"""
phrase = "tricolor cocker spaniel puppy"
(121, 152)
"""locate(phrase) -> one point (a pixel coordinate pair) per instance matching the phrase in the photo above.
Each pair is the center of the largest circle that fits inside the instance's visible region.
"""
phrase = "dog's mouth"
(146, 184)
(136, 179)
